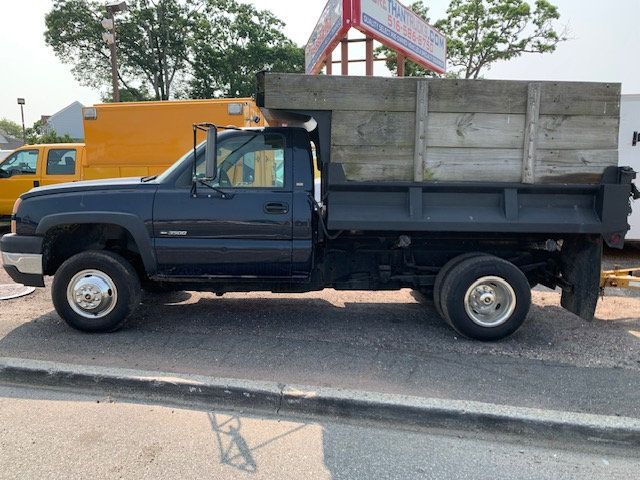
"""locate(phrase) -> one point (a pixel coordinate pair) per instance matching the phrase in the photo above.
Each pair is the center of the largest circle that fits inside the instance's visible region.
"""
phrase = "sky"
(604, 43)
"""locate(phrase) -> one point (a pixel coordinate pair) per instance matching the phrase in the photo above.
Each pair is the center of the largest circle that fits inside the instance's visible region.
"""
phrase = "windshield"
(23, 162)
(168, 172)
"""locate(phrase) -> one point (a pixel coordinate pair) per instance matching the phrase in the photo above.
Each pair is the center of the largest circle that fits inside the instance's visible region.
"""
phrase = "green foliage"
(482, 32)
(200, 48)
(38, 134)
(231, 47)
(11, 128)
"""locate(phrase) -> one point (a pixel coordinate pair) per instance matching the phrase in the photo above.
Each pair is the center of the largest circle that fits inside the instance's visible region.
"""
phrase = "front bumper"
(22, 259)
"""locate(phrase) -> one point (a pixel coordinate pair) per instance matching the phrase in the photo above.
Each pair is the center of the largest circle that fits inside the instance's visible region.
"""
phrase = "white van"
(629, 148)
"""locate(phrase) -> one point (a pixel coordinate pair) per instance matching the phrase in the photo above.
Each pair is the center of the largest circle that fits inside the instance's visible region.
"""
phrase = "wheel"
(96, 291)
(437, 286)
(485, 298)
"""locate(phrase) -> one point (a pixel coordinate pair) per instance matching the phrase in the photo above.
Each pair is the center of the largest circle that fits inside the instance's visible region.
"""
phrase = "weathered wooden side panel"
(291, 91)
(464, 130)
(455, 164)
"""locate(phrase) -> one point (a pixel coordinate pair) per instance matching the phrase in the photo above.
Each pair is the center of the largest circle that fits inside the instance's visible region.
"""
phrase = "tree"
(152, 40)
(38, 133)
(202, 48)
(10, 128)
(228, 53)
(482, 32)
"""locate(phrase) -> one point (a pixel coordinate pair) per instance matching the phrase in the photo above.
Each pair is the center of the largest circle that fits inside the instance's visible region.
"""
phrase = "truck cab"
(37, 165)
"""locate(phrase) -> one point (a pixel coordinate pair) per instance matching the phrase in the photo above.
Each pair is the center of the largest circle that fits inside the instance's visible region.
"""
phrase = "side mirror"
(211, 154)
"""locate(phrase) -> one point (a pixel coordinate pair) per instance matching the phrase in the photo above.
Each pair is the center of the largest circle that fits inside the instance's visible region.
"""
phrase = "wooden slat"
(372, 172)
(506, 96)
(372, 128)
(291, 91)
(477, 96)
(531, 133)
(400, 155)
(422, 116)
(580, 98)
(481, 164)
(475, 130)
(489, 130)
(578, 131)
(573, 166)
(474, 164)
(322, 92)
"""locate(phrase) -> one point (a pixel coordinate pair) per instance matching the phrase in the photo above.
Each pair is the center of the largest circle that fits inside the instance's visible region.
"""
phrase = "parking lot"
(391, 342)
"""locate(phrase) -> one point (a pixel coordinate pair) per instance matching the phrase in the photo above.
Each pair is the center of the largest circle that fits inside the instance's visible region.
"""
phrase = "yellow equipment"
(621, 278)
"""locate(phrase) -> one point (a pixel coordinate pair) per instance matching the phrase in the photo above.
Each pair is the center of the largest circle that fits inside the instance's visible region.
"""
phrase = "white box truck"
(629, 148)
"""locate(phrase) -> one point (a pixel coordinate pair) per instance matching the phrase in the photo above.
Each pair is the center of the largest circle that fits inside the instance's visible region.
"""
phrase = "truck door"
(18, 174)
(245, 231)
(60, 165)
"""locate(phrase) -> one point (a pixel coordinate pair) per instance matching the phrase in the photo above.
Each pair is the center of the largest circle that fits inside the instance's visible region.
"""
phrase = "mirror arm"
(194, 181)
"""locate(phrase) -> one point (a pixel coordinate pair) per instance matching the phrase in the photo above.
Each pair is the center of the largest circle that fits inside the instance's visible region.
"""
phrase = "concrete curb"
(280, 399)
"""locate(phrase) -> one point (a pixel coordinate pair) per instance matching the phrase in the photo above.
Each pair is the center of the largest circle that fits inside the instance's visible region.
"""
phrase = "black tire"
(444, 271)
(124, 301)
(461, 278)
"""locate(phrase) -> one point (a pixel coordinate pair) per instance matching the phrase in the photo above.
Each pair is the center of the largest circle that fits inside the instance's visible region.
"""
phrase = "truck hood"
(87, 185)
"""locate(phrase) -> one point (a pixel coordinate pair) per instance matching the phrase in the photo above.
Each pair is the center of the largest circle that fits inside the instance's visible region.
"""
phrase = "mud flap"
(581, 266)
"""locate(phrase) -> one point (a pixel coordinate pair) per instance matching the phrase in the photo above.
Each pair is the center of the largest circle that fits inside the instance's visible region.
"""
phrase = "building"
(67, 121)
(9, 143)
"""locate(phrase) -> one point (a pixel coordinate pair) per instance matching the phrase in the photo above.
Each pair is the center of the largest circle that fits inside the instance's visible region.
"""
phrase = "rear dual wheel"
(482, 296)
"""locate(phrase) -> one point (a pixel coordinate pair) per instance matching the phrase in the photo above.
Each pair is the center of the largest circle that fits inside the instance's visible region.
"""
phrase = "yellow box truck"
(121, 140)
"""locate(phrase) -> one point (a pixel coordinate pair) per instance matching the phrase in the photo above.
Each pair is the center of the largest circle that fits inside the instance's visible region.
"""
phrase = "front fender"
(132, 223)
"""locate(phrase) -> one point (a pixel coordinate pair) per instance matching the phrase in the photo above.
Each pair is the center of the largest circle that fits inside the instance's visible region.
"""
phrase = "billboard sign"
(397, 27)
(334, 23)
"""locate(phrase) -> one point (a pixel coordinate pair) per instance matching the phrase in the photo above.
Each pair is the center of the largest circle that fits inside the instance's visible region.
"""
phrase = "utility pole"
(24, 130)
(109, 37)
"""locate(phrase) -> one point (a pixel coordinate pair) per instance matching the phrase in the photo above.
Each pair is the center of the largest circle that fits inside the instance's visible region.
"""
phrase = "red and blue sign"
(333, 25)
(387, 21)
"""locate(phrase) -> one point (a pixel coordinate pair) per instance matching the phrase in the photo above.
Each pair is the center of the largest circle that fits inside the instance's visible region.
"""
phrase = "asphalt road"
(387, 342)
(47, 435)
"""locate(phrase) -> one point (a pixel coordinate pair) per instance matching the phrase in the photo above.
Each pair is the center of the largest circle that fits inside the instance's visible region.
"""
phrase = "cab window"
(61, 161)
(251, 161)
(23, 162)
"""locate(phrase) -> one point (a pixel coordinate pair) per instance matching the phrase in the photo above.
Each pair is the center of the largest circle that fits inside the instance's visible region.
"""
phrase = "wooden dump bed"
(415, 129)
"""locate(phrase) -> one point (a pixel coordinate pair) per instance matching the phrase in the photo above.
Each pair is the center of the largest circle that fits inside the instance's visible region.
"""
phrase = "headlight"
(13, 215)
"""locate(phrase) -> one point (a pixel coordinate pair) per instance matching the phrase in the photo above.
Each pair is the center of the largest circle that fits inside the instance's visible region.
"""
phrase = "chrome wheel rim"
(490, 301)
(92, 294)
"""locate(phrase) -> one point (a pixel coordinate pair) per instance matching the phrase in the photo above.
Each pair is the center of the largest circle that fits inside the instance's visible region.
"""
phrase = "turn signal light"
(13, 215)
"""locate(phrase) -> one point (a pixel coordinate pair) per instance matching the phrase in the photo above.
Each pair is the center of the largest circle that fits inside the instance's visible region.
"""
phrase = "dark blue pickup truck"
(245, 219)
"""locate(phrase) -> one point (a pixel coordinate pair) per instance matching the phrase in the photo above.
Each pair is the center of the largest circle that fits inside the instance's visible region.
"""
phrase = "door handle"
(276, 207)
